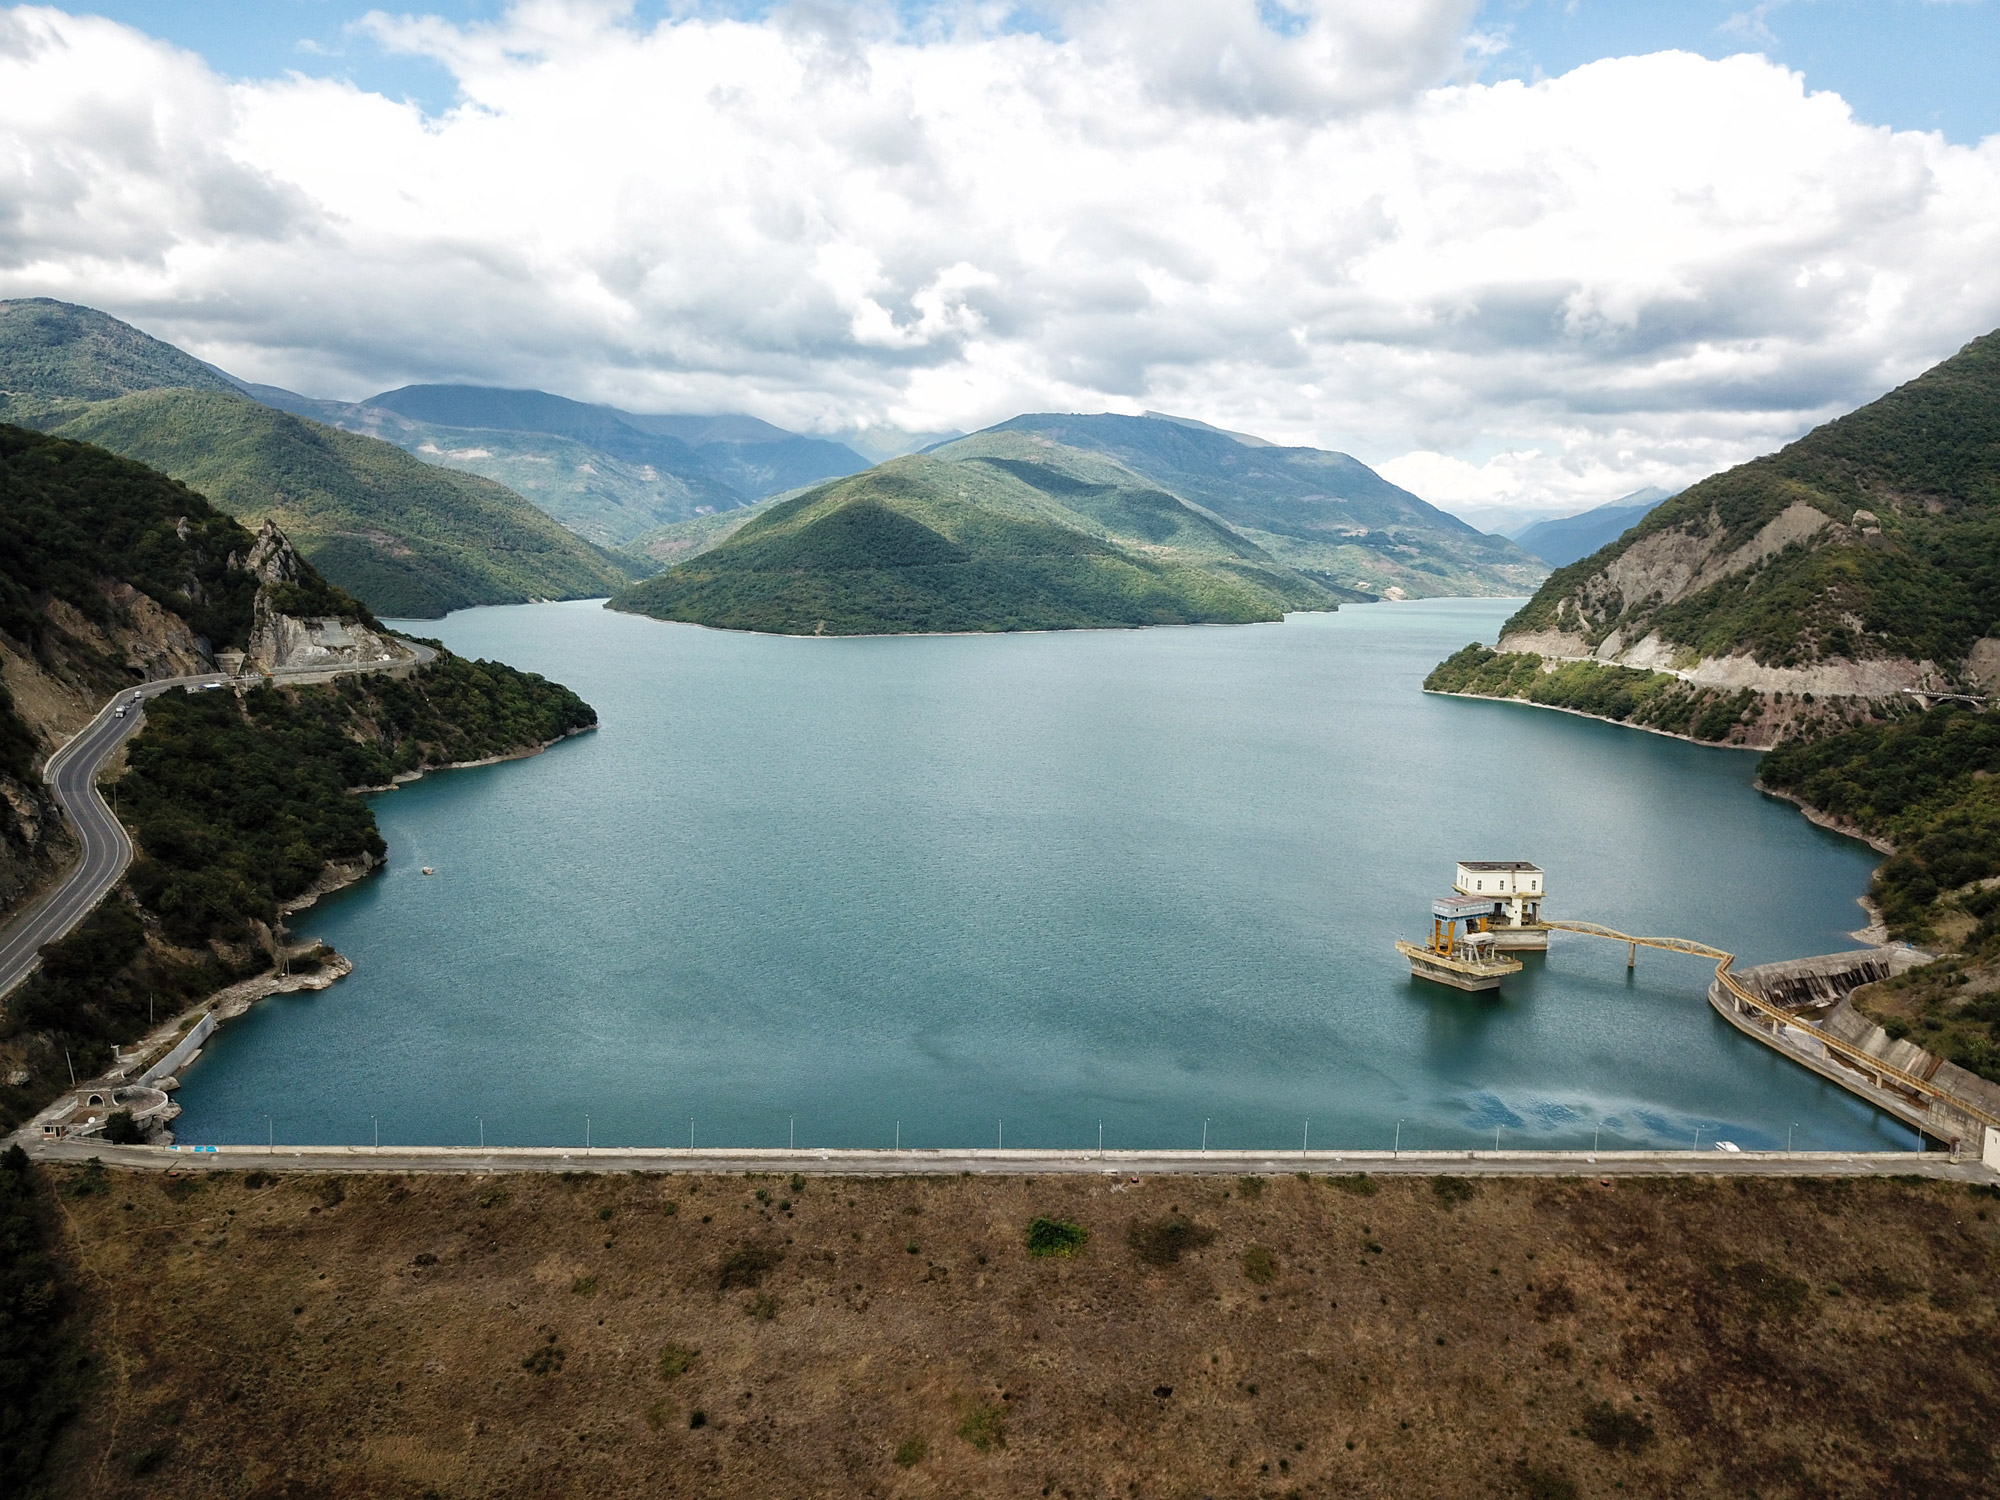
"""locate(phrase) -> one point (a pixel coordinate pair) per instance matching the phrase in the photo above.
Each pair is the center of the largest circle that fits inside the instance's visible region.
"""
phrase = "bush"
(1452, 1191)
(1055, 1237)
(748, 1267)
(122, 1130)
(1162, 1242)
(1260, 1266)
(910, 1451)
(676, 1360)
(985, 1427)
(1613, 1427)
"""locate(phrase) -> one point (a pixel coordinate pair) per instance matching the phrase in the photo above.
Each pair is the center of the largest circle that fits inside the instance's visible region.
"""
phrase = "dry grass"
(419, 1337)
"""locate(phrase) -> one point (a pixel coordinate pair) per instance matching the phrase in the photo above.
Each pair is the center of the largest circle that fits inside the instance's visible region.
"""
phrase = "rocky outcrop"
(282, 642)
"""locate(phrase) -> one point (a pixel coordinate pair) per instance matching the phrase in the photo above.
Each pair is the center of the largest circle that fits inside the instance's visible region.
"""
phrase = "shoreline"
(1557, 708)
(920, 635)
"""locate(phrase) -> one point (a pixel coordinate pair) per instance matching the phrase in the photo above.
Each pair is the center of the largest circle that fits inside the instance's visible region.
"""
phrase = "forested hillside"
(924, 545)
(110, 574)
(410, 539)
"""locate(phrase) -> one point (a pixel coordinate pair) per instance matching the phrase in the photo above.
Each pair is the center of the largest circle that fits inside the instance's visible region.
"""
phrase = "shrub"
(985, 1427)
(1613, 1427)
(545, 1360)
(1055, 1237)
(910, 1451)
(1162, 1242)
(1539, 1483)
(676, 1359)
(763, 1307)
(1360, 1184)
(1452, 1191)
(1250, 1187)
(584, 1286)
(1260, 1266)
(89, 1181)
(749, 1266)
(122, 1130)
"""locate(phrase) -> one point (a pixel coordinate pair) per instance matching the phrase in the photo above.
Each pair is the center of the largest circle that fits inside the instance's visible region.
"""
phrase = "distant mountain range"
(1564, 539)
(1048, 522)
(609, 475)
(1324, 513)
(432, 497)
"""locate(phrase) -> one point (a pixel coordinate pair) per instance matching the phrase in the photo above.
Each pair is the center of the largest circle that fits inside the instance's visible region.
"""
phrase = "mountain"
(1008, 534)
(1859, 561)
(407, 537)
(1563, 540)
(1323, 513)
(54, 352)
(411, 539)
(609, 475)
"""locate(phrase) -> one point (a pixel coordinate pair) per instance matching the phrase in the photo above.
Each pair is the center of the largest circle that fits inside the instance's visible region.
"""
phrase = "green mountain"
(1007, 537)
(1858, 561)
(609, 475)
(54, 352)
(1323, 513)
(410, 539)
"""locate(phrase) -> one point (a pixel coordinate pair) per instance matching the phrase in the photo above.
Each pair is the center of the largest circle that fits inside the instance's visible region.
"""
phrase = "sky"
(1522, 256)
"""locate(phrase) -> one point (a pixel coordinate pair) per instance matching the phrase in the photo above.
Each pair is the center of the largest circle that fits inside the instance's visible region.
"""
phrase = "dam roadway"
(71, 773)
(982, 1162)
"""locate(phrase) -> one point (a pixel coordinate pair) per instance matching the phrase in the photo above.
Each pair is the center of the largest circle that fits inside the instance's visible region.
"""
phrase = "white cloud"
(1301, 219)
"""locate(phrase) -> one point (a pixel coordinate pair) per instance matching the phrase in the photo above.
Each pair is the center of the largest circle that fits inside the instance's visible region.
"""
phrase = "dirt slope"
(526, 1336)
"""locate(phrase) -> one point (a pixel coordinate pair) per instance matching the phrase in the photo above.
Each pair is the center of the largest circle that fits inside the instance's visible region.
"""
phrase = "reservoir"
(951, 890)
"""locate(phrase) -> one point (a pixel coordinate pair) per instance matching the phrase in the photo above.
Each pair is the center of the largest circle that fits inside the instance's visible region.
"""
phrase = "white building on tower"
(1515, 888)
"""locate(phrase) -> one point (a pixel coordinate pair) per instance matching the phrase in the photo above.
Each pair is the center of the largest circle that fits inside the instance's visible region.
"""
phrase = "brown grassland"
(611, 1335)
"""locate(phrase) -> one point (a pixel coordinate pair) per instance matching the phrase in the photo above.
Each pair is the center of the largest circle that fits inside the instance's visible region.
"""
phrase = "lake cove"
(924, 885)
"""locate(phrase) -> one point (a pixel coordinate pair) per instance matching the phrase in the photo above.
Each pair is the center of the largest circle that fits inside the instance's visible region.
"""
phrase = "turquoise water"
(950, 886)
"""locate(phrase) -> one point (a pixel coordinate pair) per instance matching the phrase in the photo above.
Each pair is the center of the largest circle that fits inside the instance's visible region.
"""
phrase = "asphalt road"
(72, 775)
(480, 1162)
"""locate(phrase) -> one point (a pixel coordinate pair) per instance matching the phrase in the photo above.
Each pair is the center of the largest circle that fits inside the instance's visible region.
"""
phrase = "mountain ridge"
(1321, 512)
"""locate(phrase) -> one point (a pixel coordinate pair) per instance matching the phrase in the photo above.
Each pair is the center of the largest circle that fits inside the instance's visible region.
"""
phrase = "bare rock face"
(280, 642)
(271, 557)
(287, 643)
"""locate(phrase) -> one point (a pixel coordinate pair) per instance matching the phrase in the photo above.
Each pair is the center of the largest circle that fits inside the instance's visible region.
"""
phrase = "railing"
(1857, 1057)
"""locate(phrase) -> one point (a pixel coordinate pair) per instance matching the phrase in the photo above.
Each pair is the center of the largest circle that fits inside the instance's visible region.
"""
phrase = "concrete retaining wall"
(185, 1048)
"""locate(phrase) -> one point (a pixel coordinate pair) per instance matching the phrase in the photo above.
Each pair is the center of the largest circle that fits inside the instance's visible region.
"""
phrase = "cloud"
(1305, 220)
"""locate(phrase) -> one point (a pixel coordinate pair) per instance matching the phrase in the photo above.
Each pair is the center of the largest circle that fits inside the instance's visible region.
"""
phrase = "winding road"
(107, 849)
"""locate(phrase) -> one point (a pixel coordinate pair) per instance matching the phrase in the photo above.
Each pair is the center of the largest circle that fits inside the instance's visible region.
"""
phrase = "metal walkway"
(1887, 1076)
